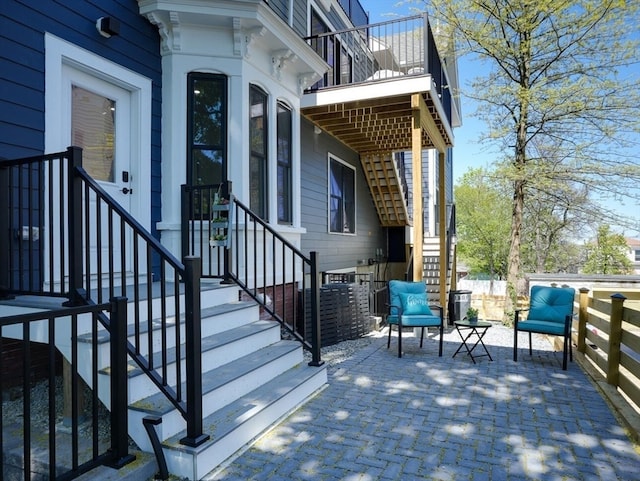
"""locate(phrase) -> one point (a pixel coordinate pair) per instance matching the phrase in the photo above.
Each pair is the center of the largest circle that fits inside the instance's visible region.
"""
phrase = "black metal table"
(477, 329)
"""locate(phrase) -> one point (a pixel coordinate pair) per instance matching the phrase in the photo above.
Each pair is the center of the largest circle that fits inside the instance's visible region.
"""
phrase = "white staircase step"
(220, 386)
(217, 349)
(239, 423)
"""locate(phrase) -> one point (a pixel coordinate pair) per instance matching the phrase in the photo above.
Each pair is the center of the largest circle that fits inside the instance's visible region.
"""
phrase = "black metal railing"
(54, 427)
(393, 49)
(31, 189)
(202, 222)
(280, 278)
(451, 234)
(249, 252)
(90, 249)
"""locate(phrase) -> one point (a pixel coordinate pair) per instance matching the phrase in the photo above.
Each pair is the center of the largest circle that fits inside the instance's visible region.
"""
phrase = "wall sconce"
(108, 26)
(317, 130)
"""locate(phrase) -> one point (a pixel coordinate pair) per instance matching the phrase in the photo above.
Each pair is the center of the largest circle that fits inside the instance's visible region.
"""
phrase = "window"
(342, 199)
(637, 255)
(258, 151)
(284, 136)
(322, 47)
(333, 52)
(206, 129)
(93, 127)
(346, 62)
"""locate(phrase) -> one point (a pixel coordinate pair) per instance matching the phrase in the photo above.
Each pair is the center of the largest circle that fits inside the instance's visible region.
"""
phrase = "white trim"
(59, 52)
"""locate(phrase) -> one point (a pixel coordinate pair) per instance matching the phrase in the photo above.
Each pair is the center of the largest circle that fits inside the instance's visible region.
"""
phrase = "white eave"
(250, 21)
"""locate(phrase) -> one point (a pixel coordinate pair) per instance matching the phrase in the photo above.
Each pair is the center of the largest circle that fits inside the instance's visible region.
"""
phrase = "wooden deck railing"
(608, 334)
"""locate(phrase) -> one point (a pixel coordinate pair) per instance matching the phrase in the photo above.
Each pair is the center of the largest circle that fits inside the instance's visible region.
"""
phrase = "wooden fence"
(608, 334)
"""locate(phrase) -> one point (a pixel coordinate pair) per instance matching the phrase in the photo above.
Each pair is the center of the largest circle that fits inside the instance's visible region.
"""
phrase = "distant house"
(633, 253)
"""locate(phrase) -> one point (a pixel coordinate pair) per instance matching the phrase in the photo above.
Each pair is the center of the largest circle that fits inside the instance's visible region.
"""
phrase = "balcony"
(366, 98)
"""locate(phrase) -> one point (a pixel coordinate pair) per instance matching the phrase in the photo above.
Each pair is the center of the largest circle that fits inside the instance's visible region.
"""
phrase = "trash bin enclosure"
(459, 304)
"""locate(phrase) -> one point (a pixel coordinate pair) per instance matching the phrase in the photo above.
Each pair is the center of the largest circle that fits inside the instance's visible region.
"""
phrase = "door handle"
(126, 190)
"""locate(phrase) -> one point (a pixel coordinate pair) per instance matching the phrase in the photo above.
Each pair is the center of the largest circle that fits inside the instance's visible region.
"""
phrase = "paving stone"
(426, 417)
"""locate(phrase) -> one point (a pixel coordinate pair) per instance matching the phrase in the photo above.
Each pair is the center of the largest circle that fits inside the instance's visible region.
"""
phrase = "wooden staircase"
(432, 258)
(386, 189)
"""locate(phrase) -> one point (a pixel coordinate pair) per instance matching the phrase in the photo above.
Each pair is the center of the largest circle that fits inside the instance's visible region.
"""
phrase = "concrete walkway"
(425, 417)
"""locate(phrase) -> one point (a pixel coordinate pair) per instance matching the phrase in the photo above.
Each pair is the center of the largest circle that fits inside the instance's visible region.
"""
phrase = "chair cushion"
(420, 321)
(551, 304)
(396, 287)
(414, 304)
(542, 327)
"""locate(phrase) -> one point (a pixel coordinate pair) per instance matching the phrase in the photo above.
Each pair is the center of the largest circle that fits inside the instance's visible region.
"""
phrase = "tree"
(607, 254)
(482, 217)
(558, 81)
(553, 224)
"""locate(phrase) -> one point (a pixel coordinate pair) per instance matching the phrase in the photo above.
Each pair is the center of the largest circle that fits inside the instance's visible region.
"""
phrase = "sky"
(468, 151)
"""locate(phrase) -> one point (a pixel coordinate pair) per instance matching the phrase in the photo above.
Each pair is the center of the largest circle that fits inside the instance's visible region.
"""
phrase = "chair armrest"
(389, 306)
(516, 316)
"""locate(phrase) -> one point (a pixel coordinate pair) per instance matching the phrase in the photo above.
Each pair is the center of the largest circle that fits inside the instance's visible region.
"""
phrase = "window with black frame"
(331, 49)
(284, 138)
(342, 198)
(206, 137)
(258, 151)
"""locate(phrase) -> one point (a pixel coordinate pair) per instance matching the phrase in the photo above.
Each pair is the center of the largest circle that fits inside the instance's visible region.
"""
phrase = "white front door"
(97, 119)
(105, 109)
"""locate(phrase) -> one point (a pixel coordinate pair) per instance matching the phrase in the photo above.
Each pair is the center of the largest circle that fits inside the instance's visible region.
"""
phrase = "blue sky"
(468, 152)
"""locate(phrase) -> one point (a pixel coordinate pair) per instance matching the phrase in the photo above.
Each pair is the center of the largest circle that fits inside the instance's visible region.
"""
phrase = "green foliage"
(607, 254)
(483, 219)
(558, 98)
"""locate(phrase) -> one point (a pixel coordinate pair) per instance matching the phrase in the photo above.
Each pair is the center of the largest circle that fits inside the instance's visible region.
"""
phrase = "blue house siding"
(23, 25)
(22, 60)
(337, 251)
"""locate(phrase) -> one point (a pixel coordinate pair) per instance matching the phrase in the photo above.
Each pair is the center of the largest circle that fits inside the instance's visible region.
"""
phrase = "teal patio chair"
(409, 307)
(550, 312)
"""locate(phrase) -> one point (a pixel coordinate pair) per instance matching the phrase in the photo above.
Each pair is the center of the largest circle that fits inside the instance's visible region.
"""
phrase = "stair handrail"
(62, 222)
(451, 233)
(408, 275)
(189, 274)
(243, 217)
